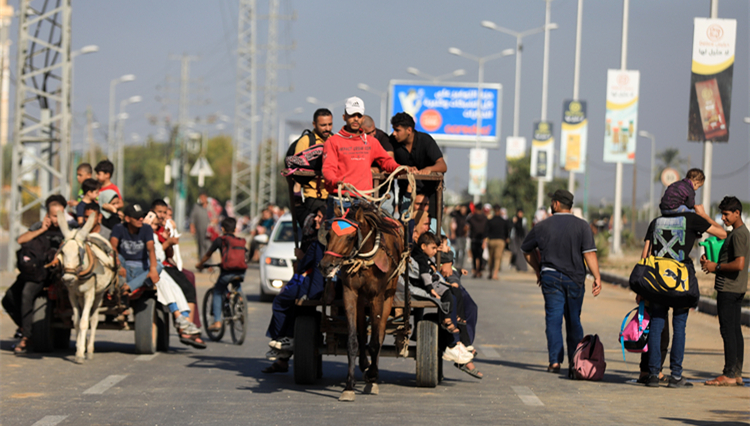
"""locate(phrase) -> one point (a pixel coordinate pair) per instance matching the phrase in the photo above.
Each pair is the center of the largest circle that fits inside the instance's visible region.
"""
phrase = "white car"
(276, 257)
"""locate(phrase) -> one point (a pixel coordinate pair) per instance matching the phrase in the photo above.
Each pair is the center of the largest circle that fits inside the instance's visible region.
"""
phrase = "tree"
(669, 157)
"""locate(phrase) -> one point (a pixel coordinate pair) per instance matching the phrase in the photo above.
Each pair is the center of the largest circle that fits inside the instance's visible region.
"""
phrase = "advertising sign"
(448, 112)
(669, 176)
(515, 147)
(574, 136)
(477, 171)
(711, 79)
(621, 127)
(542, 151)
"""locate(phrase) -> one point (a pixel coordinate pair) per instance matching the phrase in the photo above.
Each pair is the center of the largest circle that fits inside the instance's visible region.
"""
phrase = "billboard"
(448, 112)
(515, 147)
(477, 171)
(621, 127)
(711, 79)
(574, 136)
(542, 151)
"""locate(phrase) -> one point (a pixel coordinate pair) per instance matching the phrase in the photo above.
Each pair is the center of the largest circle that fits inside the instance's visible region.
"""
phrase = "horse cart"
(322, 328)
(52, 319)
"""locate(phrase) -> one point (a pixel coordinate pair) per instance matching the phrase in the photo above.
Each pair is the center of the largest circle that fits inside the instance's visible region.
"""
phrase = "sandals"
(448, 326)
(193, 340)
(474, 372)
(274, 368)
(552, 369)
(22, 348)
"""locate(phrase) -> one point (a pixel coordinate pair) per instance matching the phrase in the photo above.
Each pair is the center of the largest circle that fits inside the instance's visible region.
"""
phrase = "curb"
(705, 304)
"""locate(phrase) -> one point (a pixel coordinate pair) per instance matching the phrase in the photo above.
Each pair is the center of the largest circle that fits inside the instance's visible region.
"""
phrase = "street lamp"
(122, 116)
(651, 209)
(383, 99)
(481, 60)
(435, 79)
(82, 51)
(519, 49)
(111, 130)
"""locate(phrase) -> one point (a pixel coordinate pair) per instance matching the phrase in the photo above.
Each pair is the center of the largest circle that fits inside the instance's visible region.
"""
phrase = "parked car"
(276, 257)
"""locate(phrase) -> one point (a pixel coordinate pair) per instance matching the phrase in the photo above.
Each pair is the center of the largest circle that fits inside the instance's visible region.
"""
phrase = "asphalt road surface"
(223, 385)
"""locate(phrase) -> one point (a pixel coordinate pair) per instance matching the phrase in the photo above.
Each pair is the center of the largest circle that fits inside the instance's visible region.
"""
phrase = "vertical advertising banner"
(574, 136)
(711, 79)
(621, 127)
(477, 171)
(515, 147)
(542, 151)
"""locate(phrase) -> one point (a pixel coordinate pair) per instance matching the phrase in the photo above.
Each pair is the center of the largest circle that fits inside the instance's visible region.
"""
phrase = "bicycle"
(234, 311)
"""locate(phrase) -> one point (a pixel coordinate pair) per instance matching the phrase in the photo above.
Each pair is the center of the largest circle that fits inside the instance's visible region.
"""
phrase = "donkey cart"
(323, 328)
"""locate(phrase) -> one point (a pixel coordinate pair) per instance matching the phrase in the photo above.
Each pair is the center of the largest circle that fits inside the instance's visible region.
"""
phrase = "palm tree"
(669, 157)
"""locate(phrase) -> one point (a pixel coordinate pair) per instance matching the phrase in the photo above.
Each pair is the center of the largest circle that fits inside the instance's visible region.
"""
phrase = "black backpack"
(31, 258)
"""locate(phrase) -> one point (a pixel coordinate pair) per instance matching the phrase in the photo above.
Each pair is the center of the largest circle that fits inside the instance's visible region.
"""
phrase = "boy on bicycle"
(232, 265)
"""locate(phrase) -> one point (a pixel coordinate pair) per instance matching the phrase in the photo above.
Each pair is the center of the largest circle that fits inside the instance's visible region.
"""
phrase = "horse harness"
(359, 261)
(85, 252)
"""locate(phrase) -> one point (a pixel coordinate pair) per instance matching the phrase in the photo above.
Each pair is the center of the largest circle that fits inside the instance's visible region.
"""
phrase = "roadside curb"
(705, 304)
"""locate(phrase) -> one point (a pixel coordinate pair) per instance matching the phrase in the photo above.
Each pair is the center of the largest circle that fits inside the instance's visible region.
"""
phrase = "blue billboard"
(448, 112)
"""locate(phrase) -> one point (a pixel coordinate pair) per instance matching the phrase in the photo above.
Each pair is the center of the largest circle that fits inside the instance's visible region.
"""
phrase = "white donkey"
(87, 272)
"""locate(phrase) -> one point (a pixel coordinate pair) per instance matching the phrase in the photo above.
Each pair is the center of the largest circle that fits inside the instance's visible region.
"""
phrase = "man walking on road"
(199, 224)
(564, 242)
(498, 234)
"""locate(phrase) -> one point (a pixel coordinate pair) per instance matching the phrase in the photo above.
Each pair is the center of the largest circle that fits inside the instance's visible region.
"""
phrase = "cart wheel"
(208, 317)
(162, 328)
(427, 354)
(306, 357)
(41, 326)
(146, 325)
(61, 338)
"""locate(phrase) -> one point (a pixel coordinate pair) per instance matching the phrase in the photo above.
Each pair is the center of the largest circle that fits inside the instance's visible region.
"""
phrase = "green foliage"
(669, 157)
(602, 245)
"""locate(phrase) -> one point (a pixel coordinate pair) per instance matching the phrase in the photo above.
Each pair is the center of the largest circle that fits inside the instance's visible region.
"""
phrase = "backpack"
(310, 159)
(233, 253)
(634, 334)
(31, 258)
(588, 360)
(666, 281)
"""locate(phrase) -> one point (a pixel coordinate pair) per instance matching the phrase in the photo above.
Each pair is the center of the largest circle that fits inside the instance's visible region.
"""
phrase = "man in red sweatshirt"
(348, 154)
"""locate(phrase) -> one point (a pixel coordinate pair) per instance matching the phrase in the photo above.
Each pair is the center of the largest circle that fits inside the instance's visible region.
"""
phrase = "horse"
(87, 273)
(370, 266)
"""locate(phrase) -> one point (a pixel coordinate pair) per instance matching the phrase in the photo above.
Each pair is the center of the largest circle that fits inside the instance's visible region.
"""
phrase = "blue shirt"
(132, 247)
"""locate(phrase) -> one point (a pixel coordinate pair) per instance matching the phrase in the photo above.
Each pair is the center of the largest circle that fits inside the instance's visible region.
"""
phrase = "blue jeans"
(137, 272)
(220, 288)
(677, 353)
(563, 298)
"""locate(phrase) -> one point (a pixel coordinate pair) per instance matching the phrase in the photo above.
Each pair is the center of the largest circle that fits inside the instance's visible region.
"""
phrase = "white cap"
(354, 105)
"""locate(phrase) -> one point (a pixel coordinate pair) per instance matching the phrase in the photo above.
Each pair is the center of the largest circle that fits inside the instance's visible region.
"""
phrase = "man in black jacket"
(498, 235)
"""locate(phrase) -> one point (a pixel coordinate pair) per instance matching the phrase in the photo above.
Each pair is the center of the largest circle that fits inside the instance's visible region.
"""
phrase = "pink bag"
(634, 334)
(588, 360)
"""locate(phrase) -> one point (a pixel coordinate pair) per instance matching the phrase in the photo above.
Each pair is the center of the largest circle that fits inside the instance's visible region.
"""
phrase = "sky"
(339, 44)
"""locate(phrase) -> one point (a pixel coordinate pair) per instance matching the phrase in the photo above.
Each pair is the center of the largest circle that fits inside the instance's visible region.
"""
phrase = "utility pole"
(42, 110)
(90, 136)
(180, 184)
(617, 226)
(545, 88)
(708, 146)
(6, 15)
(576, 84)
(243, 188)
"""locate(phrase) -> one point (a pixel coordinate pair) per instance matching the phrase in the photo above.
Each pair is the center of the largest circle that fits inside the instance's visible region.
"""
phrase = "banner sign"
(711, 79)
(448, 112)
(621, 117)
(542, 151)
(478, 171)
(574, 136)
(515, 147)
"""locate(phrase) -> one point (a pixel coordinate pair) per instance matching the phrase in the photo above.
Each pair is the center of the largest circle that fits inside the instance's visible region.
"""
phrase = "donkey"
(87, 273)
(369, 267)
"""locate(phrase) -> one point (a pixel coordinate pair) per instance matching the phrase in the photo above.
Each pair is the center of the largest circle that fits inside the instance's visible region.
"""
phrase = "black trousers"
(12, 301)
(476, 255)
(663, 346)
(729, 307)
(30, 291)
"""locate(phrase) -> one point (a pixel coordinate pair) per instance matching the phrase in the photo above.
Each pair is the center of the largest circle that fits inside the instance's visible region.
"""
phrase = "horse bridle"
(84, 250)
(342, 226)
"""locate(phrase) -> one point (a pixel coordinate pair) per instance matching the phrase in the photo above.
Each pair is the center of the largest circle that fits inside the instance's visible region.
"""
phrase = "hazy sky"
(342, 43)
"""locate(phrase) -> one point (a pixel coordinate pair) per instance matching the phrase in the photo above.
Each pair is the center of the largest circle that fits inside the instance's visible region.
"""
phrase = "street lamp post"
(651, 207)
(435, 79)
(121, 117)
(481, 60)
(82, 51)
(281, 144)
(383, 100)
(111, 130)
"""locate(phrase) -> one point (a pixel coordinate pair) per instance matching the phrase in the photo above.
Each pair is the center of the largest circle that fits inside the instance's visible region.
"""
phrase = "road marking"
(50, 420)
(527, 396)
(104, 385)
(146, 357)
(489, 352)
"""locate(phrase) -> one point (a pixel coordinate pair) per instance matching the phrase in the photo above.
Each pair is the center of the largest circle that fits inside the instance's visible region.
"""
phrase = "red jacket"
(347, 158)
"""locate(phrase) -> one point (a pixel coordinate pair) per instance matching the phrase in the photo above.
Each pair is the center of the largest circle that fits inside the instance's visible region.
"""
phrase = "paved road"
(222, 385)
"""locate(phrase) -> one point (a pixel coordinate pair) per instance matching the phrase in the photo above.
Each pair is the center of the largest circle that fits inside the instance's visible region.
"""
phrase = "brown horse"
(367, 248)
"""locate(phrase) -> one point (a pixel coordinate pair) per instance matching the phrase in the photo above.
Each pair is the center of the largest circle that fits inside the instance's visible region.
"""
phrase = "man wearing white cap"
(348, 154)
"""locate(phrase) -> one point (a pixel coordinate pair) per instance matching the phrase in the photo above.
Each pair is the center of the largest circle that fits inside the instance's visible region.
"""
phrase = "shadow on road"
(709, 422)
